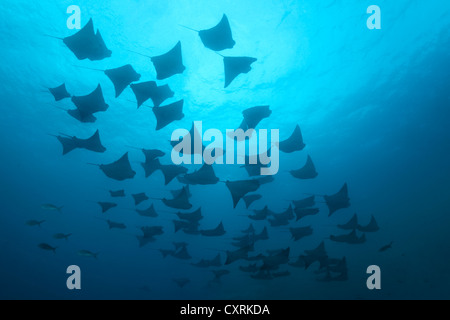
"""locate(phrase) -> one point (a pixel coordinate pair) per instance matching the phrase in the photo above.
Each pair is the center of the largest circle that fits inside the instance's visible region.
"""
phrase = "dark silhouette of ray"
(307, 172)
(169, 64)
(338, 201)
(249, 199)
(203, 176)
(119, 170)
(170, 172)
(165, 115)
(176, 193)
(117, 194)
(60, 92)
(107, 206)
(151, 167)
(318, 254)
(139, 198)
(182, 254)
(293, 143)
(149, 235)
(86, 44)
(371, 227)
(301, 213)
(82, 117)
(150, 90)
(304, 203)
(204, 263)
(239, 189)
(187, 227)
(116, 225)
(253, 116)
(92, 144)
(152, 154)
(181, 202)
(350, 225)
(89, 104)
(122, 77)
(181, 282)
(166, 253)
(386, 247)
(251, 268)
(261, 214)
(273, 262)
(192, 216)
(254, 170)
(282, 219)
(350, 238)
(149, 212)
(220, 273)
(239, 254)
(299, 233)
(235, 66)
(216, 232)
(217, 38)
(250, 229)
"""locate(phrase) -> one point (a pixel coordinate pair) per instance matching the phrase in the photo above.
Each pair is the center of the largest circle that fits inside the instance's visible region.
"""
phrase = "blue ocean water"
(373, 106)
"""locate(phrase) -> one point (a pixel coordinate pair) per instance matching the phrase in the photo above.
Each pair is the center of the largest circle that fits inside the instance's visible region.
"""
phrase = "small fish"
(386, 247)
(33, 223)
(51, 207)
(60, 236)
(87, 254)
(47, 247)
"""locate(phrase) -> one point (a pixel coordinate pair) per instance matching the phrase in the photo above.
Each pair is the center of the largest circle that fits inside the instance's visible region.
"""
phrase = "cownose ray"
(305, 203)
(188, 227)
(139, 198)
(168, 64)
(252, 117)
(318, 254)
(262, 214)
(150, 212)
(182, 254)
(300, 232)
(239, 254)
(304, 212)
(216, 232)
(308, 171)
(149, 234)
(106, 206)
(220, 273)
(150, 90)
(371, 227)
(351, 238)
(217, 38)
(70, 143)
(282, 219)
(116, 225)
(251, 238)
(182, 282)
(176, 193)
(251, 268)
(293, 143)
(272, 262)
(203, 176)
(169, 171)
(352, 224)
(165, 115)
(60, 92)
(119, 170)
(205, 263)
(180, 202)
(249, 199)
(87, 44)
(338, 200)
(121, 77)
(191, 216)
(89, 104)
(241, 188)
(117, 193)
(234, 66)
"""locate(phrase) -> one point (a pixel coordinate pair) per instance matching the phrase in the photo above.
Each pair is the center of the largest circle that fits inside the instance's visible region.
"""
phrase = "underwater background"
(373, 107)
